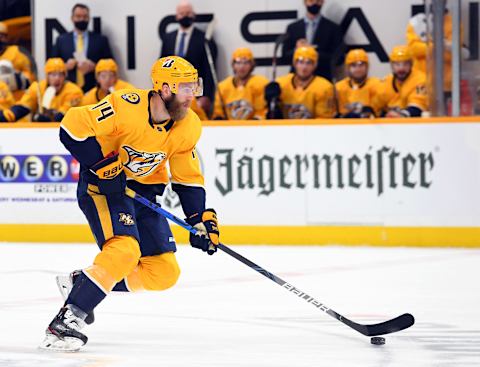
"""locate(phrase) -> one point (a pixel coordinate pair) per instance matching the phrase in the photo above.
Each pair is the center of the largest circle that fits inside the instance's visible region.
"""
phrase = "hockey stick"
(208, 37)
(280, 39)
(397, 324)
(335, 96)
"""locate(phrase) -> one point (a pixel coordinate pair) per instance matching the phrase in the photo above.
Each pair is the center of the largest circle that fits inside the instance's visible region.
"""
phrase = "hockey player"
(402, 93)
(106, 74)
(47, 100)
(133, 133)
(243, 93)
(416, 37)
(355, 93)
(302, 94)
(21, 75)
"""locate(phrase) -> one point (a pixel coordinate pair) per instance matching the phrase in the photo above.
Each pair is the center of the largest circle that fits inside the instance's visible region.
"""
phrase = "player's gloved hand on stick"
(207, 236)
(111, 178)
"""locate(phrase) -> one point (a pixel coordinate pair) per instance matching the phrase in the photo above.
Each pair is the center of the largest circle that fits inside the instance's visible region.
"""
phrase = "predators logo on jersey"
(296, 111)
(240, 109)
(142, 163)
(126, 219)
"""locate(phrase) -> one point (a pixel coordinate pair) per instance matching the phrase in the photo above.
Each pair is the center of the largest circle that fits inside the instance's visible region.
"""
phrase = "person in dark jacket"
(189, 42)
(81, 49)
(317, 31)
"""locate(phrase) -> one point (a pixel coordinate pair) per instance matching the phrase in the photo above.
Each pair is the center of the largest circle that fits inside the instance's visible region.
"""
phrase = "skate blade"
(55, 344)
(64, 285)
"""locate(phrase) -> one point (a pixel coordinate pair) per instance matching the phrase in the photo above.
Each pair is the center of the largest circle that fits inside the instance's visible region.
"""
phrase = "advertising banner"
(326, 174)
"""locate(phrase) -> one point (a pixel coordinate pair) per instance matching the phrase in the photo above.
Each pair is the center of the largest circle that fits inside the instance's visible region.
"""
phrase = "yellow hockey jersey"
(21, 63)
(121, 122)
(393, 95)
(6, 97)
(314, 101)
(244, 102)
(95, 94)
(419, 49)
(352, 97)
(69, 96)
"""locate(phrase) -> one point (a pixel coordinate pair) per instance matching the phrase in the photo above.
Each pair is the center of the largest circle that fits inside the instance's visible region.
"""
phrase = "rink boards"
(316, 182)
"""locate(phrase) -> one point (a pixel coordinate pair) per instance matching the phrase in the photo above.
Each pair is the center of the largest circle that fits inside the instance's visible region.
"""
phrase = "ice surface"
(222, 313)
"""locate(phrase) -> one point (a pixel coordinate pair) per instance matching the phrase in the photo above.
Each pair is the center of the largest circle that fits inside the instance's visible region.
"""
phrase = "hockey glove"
(111, 178)
(42, 118)
(208, 236)
(272, 91)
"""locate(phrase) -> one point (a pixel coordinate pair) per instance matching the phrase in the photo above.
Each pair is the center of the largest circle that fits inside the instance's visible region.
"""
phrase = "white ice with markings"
(222, 313)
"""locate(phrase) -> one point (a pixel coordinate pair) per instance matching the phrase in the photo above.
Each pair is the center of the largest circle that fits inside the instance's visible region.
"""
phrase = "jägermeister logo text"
(379, 169)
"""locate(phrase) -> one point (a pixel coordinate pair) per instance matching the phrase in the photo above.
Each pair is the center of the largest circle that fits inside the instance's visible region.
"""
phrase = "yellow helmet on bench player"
(356, 55)
(106, 65)
(400, 54)
(305, 53)
(178, 74)
(55, 65)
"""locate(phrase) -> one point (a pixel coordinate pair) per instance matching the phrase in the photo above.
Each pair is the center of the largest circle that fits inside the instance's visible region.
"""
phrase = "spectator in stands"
(402, 93)
(106, 74)
(189, 42)
(318, 31)
(47, 100)
(241, 96)
(20, 75)
(81, 49)
(302, 94)
(355, 93)
(6, 97)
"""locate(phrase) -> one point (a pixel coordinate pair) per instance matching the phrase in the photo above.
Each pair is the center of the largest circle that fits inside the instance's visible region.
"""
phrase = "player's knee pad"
(158, 272)
(119, 257)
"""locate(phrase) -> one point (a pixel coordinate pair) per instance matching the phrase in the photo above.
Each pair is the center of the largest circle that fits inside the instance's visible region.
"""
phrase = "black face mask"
(81, 25)
(314, 9)
(186, 22)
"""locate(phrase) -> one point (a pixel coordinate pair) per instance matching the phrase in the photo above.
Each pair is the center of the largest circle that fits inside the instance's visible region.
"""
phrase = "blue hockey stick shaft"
(399, 323)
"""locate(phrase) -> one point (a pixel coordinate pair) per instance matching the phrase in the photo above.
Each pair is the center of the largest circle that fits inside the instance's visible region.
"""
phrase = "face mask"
(186, 22)
(81, 25)
(314, 9)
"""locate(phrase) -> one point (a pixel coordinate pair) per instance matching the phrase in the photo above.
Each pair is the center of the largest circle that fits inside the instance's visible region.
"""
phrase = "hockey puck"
(377, 340)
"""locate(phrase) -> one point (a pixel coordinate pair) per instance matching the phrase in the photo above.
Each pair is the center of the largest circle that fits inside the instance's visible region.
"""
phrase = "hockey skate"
(65, 284)
(63, 334)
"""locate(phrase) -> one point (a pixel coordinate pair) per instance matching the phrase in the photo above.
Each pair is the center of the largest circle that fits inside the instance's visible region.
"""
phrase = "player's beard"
(175, 109)
(304, 78)
(359, 80)
(402, 76)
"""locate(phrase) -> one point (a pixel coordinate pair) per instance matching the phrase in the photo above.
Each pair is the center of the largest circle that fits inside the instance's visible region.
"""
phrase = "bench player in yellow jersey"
(302, 94)
(106, 74)
(64, 95)
(403, 93)
(355, 93)
(22, 74)
(243, 93)
(132, 134)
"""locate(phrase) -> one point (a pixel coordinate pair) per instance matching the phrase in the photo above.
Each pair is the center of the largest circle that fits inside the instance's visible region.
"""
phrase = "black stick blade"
(401, 322)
